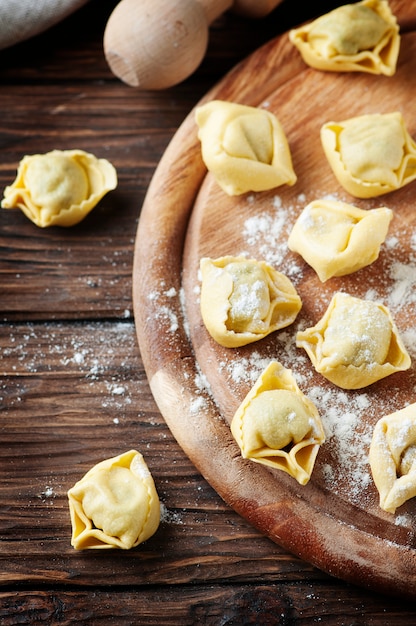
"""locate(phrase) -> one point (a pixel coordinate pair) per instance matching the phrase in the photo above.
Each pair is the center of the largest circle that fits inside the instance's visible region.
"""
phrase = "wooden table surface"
(73, 389)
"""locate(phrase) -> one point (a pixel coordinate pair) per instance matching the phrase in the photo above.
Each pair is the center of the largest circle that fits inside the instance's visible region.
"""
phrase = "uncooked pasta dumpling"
(370, 154)
(393, 458)
(243, 300)
(59, 188)
(355, 343)
(278, 426)
(245, 148)
(336, 238)
(115, 505)
(359, 37)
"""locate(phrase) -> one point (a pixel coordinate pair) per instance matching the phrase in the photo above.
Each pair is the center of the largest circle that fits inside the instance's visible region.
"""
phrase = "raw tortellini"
(115, 505)
(393, 458)
(336, 238)
(245, 148)
(278, 426)
(359, 37)
(243, 300)
(370, 154)
(355, 343)
(59, 188)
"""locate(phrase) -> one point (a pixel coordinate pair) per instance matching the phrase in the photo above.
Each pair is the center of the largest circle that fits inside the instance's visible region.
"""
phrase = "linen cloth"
(22, 19)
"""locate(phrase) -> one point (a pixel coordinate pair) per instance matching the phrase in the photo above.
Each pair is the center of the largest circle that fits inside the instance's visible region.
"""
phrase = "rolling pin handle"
(152, 44)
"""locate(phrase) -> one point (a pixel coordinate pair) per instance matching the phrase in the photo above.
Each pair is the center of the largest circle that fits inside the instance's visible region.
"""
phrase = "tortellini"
(278, 426)
(370, 154)
(355, 343)
(393, 458)
(244, 147)
(115, 505)
(243, 300)
(359, 37)
(59, 188)
(336, 238)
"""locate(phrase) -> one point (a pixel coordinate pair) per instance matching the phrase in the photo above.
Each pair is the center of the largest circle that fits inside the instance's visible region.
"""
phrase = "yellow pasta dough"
(59, 188)
(370, 154)
(355, 343)
(115, 505)
(245, 148)
(278, 426)
(393, 458)
(359, 37)
(336, 238)
(243, 300)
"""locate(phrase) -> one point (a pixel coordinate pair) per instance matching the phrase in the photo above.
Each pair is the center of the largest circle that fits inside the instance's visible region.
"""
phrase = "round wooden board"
(334, 522)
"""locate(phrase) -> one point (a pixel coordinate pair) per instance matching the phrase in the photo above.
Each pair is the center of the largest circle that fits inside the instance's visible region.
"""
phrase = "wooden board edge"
(157, 287)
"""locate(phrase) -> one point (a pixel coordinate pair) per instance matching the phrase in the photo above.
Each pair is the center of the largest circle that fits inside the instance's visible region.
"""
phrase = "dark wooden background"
(73, 390)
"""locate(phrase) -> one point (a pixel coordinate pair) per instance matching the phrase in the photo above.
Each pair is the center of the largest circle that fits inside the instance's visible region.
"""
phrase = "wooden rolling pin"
(154, 44)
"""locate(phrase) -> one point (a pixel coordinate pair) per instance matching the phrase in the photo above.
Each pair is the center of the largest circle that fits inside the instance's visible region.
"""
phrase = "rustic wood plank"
(73, 392)
(203, 605)
(62, 388)
(72, 395)
(86, 270)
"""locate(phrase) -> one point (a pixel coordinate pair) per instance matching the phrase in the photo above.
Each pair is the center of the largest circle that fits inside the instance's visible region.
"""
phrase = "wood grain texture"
(266, 603)
(73, 388)
(58, 94)
(71, 396)
(191, 218)
(76, 272)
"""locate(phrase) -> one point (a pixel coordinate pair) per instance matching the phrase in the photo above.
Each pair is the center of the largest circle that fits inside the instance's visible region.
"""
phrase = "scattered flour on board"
(203, 392)
(245, 369)
(400, 277)
(268, 233)
(347, 434)
(343, 415)
(169, 305)
(346, 431)
(164, 312)
(403, 290)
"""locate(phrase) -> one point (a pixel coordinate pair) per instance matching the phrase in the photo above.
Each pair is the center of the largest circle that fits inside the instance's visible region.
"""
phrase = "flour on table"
(104, 361)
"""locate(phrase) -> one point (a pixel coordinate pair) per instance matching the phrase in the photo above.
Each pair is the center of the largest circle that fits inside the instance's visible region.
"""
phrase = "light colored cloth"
(22, 19)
